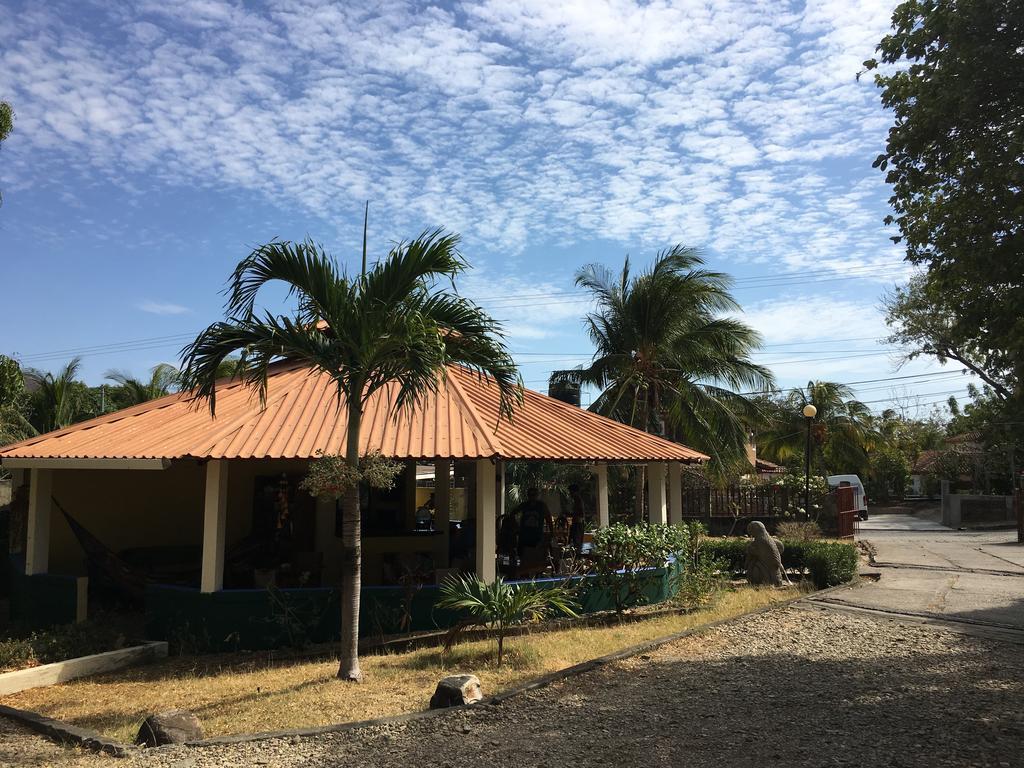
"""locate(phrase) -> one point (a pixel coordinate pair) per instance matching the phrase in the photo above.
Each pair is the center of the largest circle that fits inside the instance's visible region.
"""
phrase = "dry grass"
(247, 693)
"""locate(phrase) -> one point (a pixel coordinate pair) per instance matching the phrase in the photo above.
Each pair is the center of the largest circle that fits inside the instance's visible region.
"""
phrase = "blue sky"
(157, 142)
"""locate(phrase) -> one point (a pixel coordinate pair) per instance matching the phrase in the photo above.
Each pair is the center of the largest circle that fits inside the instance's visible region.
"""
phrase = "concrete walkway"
(933, 572)
(900, 522)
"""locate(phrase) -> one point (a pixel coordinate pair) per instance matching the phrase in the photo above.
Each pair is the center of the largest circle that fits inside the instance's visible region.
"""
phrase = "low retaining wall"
(968, 509)
(259, 619)
(60, 671)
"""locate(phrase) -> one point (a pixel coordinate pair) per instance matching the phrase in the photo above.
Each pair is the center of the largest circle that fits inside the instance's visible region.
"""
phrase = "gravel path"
(796, 686)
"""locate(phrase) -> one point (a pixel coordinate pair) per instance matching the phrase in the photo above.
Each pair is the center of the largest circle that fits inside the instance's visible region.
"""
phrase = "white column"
(442, 511)
(656, 492)
(215, 517)
(486, 538)
(37, 540)
(675, 492)
(602, 495)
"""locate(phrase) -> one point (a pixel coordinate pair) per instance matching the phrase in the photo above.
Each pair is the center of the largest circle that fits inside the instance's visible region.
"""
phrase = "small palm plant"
(501, 605)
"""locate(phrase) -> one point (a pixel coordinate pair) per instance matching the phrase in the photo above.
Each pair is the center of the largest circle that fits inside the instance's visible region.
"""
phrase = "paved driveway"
(970, 577)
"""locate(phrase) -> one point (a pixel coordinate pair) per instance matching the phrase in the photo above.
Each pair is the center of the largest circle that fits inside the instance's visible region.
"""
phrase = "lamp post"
(809, 413)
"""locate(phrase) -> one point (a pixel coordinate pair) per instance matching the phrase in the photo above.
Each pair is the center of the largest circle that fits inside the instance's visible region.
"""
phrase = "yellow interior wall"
(144, 508)
(126, 508)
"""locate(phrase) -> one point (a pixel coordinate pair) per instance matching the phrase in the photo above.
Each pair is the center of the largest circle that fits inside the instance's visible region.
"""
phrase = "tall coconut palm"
(392, 324)
(667, 358)
(163, 378)
(842, 431)
(57, 399)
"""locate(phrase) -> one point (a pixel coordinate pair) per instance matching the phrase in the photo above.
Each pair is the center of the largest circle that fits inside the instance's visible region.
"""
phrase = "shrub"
(731, 552)
(698, 576)
(625, 556)
(501, 605)
(831, 563)
(58, 644)
(16, 653)
(790, 530)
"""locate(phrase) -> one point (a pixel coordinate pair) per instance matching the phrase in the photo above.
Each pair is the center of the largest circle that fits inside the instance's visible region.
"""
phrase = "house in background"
(763, 469)
(959, 460)
(201, 514)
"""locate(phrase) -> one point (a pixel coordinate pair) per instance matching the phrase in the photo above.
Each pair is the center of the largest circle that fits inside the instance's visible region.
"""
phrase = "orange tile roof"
(302, 416)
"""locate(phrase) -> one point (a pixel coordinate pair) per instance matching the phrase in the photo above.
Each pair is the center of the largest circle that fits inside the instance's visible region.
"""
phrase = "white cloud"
(162, 308)
(518, 121)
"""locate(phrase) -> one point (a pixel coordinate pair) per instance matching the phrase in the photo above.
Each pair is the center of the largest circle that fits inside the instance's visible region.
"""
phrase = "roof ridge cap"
(490, 438)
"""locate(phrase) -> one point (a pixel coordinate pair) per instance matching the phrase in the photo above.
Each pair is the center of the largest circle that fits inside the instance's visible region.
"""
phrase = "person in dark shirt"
(533, 515)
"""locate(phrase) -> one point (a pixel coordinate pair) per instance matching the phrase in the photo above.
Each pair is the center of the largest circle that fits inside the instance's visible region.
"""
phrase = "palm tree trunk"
(639, 476)
(641, 469)
(351, 563)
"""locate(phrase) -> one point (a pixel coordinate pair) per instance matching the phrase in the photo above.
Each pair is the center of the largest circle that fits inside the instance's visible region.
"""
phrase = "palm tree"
(390, 325)
(162, 380)
(56, 399)
(667, 360)
(842, 432)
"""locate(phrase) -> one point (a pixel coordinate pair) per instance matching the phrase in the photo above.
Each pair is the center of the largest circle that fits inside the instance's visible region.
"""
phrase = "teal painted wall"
(261, 619)
(43, 600)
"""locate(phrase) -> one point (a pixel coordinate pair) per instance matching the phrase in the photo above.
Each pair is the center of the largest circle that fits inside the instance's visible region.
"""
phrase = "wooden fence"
(738, 501)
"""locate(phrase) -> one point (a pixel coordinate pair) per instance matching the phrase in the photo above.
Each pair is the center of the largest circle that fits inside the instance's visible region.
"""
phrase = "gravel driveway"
(800, 686)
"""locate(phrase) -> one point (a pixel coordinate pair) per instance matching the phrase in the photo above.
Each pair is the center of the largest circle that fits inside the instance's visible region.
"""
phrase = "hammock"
(129, 580)
(105, 566)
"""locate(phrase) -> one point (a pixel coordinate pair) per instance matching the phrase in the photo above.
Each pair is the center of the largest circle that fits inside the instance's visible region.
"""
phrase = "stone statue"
(764, 557)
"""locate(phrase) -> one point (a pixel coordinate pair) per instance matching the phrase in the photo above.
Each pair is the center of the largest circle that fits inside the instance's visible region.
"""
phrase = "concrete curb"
(82, 666)
(65, 733)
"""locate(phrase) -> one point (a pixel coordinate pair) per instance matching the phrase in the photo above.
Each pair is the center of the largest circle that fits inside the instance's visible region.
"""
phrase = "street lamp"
(809, 413)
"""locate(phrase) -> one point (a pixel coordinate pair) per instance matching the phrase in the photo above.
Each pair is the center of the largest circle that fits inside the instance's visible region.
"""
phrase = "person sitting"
(425, 515)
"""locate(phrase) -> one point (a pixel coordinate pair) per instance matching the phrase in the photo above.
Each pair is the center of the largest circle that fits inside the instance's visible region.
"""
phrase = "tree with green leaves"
(59, 399)
(842, 431)
(393, 324)
(6, 123)
(15, 403)
(923, 318)
(667, 358)
(952, 73)
(163, 379)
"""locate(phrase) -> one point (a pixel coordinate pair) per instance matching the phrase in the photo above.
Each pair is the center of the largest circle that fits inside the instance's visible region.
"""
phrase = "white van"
(860, 499)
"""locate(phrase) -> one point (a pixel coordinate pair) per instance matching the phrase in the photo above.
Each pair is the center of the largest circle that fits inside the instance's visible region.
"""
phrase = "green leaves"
(955, 160)
(842, 431)
(664, 352)
(392, 325)
(637, 547)
(500, 605)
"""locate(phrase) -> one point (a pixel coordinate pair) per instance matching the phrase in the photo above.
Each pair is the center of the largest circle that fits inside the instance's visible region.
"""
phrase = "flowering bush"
(330, 475)
(794, 483)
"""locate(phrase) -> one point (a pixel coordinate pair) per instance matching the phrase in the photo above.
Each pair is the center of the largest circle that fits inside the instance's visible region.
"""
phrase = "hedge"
(829, 562)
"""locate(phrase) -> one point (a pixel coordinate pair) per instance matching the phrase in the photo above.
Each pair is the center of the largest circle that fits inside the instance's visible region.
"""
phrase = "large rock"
(176, 726)
(457, 690)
